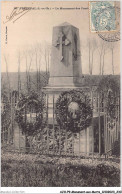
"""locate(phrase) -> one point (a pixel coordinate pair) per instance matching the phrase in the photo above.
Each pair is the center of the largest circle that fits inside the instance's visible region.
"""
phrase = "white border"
(55, 190)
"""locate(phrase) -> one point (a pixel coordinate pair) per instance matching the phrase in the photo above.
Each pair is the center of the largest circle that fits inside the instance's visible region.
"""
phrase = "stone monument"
(65, 75)
(65, 70)
(65, 56)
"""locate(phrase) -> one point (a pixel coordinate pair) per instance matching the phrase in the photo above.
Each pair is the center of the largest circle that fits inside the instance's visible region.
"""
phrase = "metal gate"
(96, 140)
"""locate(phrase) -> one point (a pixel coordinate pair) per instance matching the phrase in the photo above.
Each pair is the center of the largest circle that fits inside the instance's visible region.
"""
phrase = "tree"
(28, 60)
(42, 55)
(112, 46)
(7, 75)
(47, 53)
(19, 57)
(38, 56)
(102, 50)
(92, 45)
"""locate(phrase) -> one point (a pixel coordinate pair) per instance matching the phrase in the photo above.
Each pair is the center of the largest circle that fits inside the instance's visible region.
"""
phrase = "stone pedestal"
(52, 94)
(87, 139)
(19, 139)
(65, 70)
(65, 75)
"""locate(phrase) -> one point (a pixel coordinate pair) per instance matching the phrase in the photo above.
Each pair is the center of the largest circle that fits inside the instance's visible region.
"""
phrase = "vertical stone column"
(65, 56)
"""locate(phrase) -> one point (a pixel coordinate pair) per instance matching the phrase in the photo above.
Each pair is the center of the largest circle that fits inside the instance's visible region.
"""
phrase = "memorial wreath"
(73, 111)
(23, 109)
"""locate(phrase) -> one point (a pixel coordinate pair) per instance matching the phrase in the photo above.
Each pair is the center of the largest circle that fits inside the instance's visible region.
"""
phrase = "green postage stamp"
(102, 16)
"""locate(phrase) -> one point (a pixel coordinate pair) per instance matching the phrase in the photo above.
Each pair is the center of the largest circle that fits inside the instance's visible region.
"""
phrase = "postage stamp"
(102, 16)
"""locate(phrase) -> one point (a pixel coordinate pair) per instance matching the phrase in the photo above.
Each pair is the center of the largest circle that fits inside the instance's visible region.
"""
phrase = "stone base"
(87, 139)
(86, 142)
(19, 139)
(58, 89)
(61, 81)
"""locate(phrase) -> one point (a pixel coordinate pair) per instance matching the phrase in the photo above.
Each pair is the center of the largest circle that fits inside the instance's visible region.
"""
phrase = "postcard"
(60, 97)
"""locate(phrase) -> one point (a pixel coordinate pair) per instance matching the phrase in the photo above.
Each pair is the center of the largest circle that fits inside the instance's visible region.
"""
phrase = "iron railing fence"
(96, 140)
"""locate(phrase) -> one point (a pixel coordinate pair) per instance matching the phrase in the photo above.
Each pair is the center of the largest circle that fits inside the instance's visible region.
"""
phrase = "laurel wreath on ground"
(109, 92)
(25, 103)
(75, 119)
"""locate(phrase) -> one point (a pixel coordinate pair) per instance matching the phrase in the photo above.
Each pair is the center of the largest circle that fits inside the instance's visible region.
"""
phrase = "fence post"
(79, 143)
(99, 125)
(66, 144)
(11, 114)
(107, 132)
(86, 141)
(105, 129)
(66, 135)
(118, 117)
(73, 143)
(47, 128)
(53, 125)
(59, 140)
(92, 128)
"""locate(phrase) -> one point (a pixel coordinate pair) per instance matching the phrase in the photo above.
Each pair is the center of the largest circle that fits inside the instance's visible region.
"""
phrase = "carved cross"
(62, 41)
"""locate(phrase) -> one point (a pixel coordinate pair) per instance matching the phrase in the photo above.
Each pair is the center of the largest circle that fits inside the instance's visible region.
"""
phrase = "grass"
(20, 170)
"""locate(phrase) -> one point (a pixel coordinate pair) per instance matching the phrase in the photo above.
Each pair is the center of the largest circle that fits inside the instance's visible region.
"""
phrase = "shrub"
(52, 173)
(116, 148)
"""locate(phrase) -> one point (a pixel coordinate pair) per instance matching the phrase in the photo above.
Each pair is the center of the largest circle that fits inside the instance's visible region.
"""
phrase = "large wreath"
(24, 107)
(73, 111)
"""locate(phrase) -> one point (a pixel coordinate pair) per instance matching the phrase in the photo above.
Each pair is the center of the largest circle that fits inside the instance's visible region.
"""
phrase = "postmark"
(105, 20)
(115, 35)
(102, 16)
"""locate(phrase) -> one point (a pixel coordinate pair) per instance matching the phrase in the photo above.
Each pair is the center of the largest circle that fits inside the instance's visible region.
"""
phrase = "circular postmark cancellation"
(115, 35)
(105, 20)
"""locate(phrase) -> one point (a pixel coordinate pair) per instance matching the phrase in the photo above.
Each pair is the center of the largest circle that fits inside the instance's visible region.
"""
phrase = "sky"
(36, 27)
